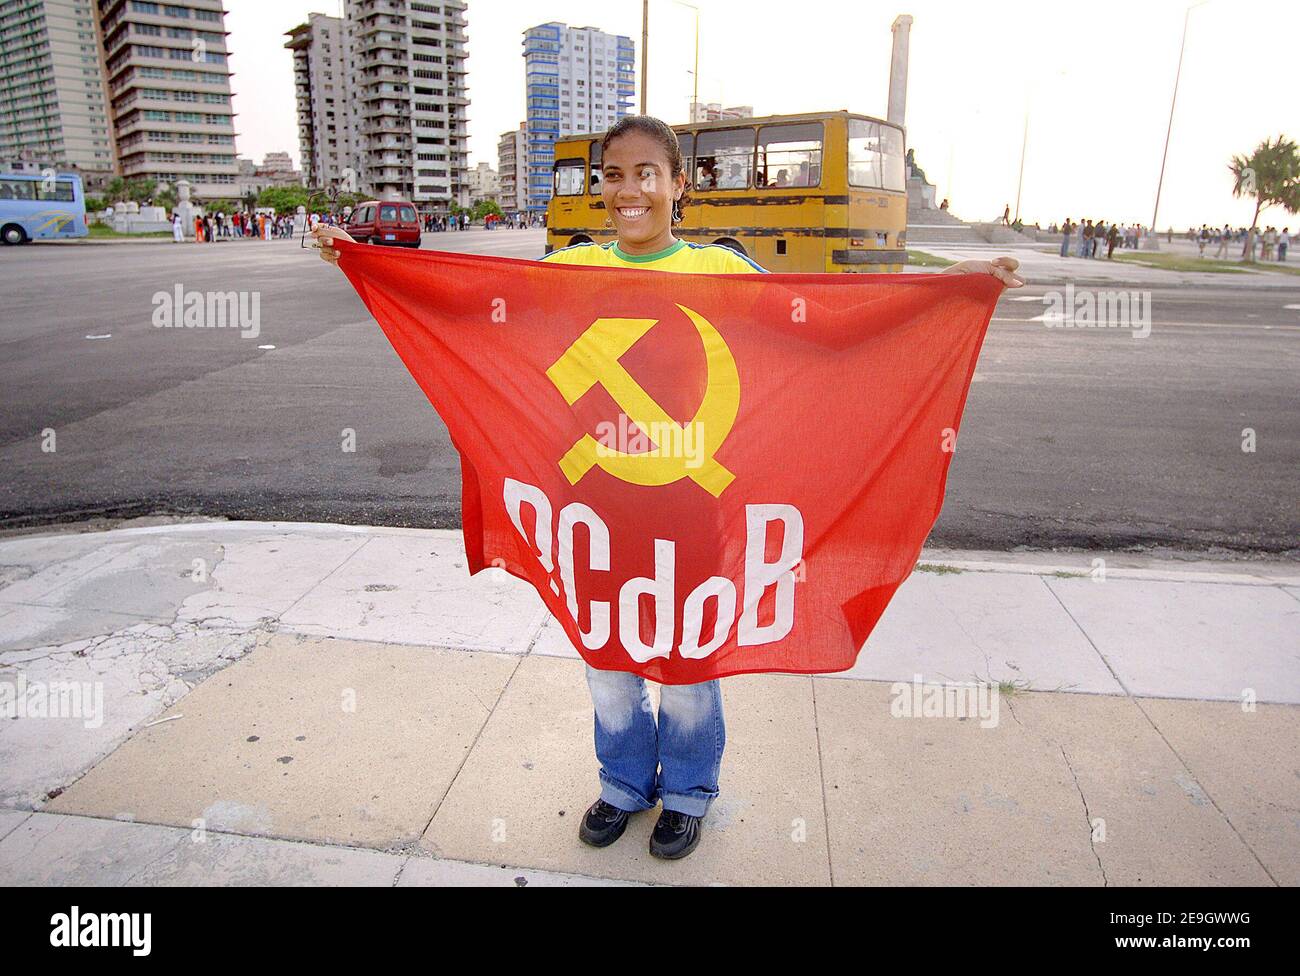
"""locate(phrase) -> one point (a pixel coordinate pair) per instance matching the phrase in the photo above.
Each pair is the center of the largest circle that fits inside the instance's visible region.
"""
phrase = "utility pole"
(695, 94)
(1150, 242)
(645, 47)
(1024, 143)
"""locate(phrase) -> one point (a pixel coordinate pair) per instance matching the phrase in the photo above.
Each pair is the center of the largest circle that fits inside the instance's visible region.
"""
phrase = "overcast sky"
(1095, 77)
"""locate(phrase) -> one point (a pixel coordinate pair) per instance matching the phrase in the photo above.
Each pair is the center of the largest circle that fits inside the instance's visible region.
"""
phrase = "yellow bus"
(815, 193)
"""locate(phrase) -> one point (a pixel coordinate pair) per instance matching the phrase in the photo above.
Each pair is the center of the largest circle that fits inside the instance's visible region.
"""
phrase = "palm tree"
(1271, 174)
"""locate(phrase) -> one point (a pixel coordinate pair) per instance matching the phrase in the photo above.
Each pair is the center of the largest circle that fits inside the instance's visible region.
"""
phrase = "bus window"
(864, 154)
(61, 191)
(594, 181)
(876, 156)
(893, 161)
(724, 160)
(687, 142)
(790, 155)
(17, 189)
(568, 177)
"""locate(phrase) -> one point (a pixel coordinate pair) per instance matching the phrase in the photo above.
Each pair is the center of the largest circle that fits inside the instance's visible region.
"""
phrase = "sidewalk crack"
(1087, 816)
(821, 777)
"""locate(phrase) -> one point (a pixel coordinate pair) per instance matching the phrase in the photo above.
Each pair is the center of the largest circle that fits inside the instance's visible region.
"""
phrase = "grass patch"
(937, 569)
(1178, 262)
(104, 231)
(1008, 689)
(921, 259)
(1065, 574)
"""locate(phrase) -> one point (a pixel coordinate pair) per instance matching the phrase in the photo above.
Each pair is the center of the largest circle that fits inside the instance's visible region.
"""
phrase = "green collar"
(672, 248)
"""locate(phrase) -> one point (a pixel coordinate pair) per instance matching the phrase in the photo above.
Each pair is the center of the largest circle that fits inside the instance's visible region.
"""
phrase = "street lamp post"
(1151, 244)
(645, 47)
(695, 94)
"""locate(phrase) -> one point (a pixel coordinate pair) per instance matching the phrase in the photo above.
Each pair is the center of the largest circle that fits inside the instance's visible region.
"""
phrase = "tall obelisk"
(901, 29)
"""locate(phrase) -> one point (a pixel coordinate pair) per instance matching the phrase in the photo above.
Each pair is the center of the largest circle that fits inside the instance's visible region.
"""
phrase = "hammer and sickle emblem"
(594, 359)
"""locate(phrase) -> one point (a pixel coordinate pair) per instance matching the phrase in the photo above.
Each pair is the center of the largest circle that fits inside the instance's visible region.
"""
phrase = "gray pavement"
(287, 703)
(1084, 438)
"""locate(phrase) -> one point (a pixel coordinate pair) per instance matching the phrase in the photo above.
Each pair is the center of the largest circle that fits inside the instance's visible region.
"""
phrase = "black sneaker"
(602, 825)
(675, 835)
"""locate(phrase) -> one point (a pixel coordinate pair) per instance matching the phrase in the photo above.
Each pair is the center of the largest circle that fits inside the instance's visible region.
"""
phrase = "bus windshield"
(876, 156)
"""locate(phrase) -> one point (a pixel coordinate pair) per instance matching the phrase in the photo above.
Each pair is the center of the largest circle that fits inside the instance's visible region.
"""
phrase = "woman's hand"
(1001, 268)
(325, 237)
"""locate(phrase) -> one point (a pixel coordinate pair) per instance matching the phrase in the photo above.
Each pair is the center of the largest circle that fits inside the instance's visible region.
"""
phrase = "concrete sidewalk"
(1043, 265)
(316, 704)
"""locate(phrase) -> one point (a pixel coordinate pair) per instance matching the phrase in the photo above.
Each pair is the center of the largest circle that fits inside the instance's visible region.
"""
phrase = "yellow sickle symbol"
(594, 359)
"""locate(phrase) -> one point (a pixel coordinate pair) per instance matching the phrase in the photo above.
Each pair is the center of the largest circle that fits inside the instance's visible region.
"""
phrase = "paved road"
(1071, 437)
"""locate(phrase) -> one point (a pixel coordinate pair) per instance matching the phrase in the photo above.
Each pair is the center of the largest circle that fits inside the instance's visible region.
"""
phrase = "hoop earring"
(677, 212)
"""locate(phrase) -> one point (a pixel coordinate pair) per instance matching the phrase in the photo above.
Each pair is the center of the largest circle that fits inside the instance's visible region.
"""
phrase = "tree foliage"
(1271, 176)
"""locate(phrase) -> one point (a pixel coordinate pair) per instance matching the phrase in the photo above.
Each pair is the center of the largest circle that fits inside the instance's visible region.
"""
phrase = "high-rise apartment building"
(169, 82)
(405, 66)
(512, 172)
(53, 102)
(577, 79)
(484, 183)
(319, 49)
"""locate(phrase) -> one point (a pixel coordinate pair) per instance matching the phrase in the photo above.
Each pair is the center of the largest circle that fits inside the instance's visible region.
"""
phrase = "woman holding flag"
(675, 759)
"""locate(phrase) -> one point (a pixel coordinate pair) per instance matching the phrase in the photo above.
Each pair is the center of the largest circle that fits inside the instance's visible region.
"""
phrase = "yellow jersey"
(680, 256)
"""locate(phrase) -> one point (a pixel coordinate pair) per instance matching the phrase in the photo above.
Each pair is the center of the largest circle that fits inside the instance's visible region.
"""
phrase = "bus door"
(792, 224)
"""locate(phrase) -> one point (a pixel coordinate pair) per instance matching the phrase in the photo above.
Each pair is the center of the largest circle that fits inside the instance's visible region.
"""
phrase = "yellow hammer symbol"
(594, 359)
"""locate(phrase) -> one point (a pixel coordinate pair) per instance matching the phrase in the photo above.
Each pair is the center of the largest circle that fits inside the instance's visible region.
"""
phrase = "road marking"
(106, 335)
(266, 347)
(1249, 327)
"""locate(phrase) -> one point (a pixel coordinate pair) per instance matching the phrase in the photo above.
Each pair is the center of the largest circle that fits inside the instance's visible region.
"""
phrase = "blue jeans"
(1065, 246)
(676, 761)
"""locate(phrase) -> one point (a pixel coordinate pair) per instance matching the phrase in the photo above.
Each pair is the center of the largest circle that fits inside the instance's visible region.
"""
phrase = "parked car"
(392, 222)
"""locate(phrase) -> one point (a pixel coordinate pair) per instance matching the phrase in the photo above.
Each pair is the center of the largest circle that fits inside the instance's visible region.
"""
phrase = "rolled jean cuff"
(695, 804)
(618, 795)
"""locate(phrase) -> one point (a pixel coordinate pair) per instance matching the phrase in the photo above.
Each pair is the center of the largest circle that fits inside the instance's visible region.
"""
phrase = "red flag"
(702, 475)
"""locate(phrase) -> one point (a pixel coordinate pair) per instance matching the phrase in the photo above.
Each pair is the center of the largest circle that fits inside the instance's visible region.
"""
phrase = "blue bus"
(41, 206)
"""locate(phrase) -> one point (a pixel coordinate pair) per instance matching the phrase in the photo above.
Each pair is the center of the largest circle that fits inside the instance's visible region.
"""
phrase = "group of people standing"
(210, 228)
(1090, 239)
(1271, 243)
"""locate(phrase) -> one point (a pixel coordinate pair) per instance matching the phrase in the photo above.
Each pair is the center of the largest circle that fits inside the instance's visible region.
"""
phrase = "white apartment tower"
(319, 49)
(405, 65)
(53, 103)
(577, 79)
(512, 169)
(169, 82)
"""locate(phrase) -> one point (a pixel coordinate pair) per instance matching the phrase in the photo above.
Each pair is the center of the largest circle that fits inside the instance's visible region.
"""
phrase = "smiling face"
(639, 188)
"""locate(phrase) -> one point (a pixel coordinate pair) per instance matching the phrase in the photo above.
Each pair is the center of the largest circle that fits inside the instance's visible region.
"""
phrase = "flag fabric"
(701, 474)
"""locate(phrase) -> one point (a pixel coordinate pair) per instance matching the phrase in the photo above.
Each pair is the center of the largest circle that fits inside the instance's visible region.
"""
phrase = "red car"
(392, 222)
